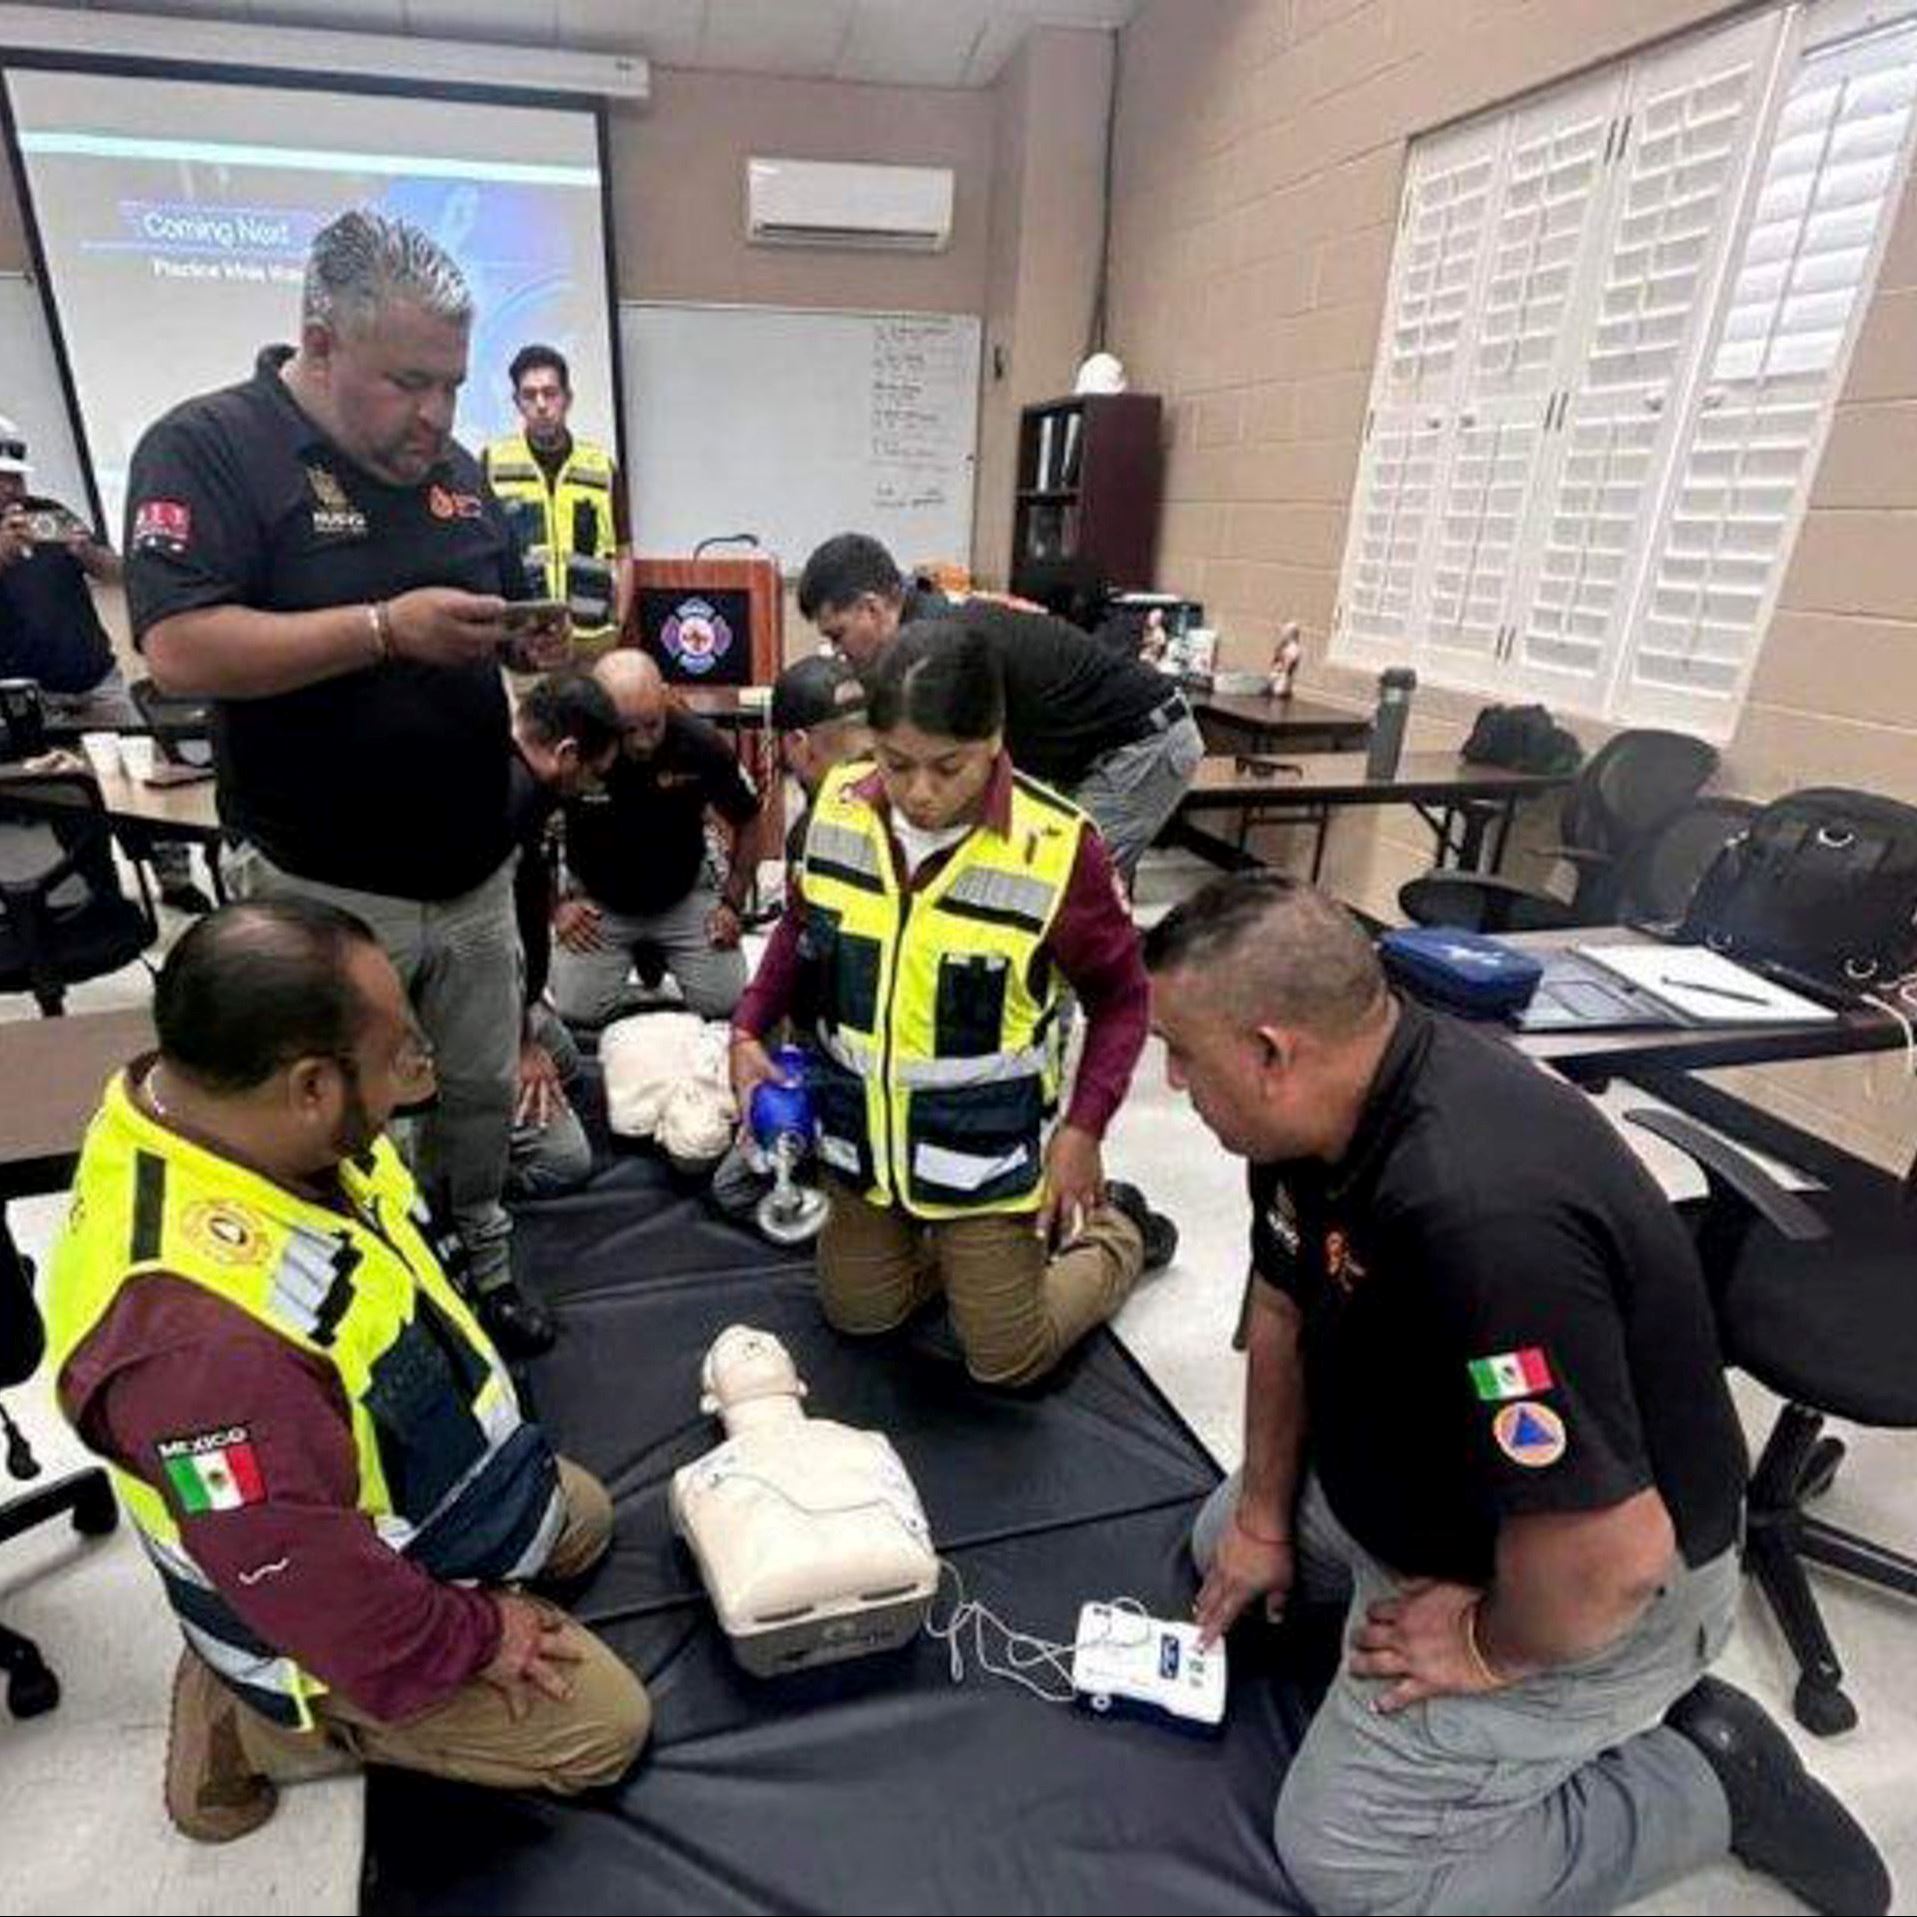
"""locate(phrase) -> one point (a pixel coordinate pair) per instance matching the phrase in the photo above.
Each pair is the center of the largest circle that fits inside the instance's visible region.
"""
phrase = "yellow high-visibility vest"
(451, 1473)
(934, 1010)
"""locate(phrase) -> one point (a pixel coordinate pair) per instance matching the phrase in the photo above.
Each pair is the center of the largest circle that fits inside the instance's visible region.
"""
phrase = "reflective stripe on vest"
(514, 473)
(450, 1473)
(934, 1010)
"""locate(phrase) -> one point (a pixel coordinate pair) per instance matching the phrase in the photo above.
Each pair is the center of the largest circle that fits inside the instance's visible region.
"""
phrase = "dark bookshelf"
(1090, 474)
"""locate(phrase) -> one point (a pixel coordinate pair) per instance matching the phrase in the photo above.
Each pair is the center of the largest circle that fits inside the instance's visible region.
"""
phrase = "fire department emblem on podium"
(696, 637)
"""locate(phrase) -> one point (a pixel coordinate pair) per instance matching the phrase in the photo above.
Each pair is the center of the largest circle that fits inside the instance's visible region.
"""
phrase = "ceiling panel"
(925, 43)
(197, 9)
(775, 36)
(664, 30)
(899, 42)
(520, 23)
(1004, 34)
(348, 16)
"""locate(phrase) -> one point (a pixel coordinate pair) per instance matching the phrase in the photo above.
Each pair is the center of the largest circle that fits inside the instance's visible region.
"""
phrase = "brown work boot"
(213, 1791)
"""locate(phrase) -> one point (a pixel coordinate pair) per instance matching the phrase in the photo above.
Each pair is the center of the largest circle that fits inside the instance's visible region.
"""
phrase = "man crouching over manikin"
(1525, 1472)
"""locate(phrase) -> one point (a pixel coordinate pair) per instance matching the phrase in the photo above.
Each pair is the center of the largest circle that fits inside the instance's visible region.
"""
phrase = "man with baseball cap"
(818, 711)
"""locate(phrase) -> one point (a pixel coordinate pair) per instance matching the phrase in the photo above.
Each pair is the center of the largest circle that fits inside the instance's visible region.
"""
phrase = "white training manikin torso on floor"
(809, 1535)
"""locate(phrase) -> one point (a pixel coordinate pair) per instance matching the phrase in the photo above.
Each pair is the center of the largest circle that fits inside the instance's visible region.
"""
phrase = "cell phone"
(530, 615)
(53, 526)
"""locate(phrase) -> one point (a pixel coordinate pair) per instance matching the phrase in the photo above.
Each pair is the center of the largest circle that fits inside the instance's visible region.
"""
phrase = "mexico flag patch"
(1510, 1374)
(217, 1471)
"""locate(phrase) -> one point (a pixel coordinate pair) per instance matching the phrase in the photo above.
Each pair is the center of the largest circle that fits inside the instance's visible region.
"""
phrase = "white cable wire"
(1024, 1653)
(1899, 1000)
(728, 1473)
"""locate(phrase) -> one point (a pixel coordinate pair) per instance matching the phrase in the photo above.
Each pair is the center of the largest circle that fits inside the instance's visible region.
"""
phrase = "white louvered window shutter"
(1439, 253)
(1828, 192)
(1538, 261)
(1679, 159)
(1422, 352)
(1390, 515)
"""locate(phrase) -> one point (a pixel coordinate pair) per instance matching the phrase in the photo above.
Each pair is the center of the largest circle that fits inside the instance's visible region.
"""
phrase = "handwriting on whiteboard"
(919, 409)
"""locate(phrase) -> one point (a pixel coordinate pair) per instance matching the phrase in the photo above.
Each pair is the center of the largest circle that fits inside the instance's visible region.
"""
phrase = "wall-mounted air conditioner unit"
(905, 209)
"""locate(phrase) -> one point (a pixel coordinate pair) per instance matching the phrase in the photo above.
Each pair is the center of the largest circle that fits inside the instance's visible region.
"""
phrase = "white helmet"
(13, 449)
(1102, 373)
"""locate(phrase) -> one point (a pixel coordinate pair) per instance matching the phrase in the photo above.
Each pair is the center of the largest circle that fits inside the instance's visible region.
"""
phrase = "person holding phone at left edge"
(314, 552)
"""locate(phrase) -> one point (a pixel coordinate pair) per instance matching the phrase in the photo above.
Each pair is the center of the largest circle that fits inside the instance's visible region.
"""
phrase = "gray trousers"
(549, 1160)
(459, 961)
(1132, 791)
(590, 987)
(1563, 1792)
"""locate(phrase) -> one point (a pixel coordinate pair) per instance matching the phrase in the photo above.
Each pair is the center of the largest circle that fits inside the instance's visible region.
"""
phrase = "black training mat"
(620, 1394)
(637, 1221)
(880, 1785)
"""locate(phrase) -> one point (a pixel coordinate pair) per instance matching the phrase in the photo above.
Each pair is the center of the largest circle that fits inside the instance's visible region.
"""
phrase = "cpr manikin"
(809, 1535)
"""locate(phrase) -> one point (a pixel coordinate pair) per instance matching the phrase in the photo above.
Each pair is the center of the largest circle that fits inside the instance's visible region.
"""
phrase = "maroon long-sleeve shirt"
(302, 1567)
(1092, 941)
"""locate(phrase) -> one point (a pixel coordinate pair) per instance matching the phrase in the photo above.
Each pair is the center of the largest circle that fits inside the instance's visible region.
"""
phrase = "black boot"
(520, 1326)
(1783, 1821)
(1158, 1231)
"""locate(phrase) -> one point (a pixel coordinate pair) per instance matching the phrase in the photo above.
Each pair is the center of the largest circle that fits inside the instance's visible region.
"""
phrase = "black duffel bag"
(1822, 887)
(1522, 739)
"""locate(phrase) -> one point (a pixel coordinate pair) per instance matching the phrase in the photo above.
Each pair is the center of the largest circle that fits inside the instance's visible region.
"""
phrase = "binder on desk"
(1592, 987)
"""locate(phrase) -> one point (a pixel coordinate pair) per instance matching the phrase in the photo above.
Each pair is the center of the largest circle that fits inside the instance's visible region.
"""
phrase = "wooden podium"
(710, 622)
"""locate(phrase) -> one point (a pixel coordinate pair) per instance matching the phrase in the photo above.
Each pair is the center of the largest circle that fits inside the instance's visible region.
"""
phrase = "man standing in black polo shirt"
(1110, 733)
(1486, 1411)
(313, 551)
(636, 858)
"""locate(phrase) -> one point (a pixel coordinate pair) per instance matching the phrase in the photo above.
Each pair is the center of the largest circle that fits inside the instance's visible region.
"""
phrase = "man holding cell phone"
(314, 552)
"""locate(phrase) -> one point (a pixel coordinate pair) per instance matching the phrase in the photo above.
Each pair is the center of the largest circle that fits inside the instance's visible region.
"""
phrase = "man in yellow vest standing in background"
(319, 1446)
(565, 500)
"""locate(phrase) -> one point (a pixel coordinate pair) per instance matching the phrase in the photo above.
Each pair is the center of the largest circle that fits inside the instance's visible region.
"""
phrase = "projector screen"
(175, 218)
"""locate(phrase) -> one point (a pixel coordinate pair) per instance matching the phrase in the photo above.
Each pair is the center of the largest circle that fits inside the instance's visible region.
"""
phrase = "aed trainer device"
(1125, 1661)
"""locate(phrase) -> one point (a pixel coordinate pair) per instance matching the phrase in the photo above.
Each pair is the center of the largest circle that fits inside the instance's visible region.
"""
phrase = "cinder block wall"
(1260, 155)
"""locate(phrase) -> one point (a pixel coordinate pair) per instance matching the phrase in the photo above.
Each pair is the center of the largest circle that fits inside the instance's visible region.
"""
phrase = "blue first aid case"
(1462, 971)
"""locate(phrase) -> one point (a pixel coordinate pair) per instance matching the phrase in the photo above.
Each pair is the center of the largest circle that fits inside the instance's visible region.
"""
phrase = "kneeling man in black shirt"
(1486, 1411)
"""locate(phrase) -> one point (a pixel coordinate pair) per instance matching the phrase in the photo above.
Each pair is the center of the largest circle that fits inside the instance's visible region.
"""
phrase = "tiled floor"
(79, 1790)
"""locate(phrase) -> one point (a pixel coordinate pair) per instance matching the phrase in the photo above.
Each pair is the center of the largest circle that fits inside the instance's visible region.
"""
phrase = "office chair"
(1819, 1304)
(84, 1496)
(1629, 788)
(63, 914)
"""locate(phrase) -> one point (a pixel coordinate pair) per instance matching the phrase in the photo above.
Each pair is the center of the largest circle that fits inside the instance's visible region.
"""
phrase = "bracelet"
(1480, 1664)
(382, 624)
(1258, 1537)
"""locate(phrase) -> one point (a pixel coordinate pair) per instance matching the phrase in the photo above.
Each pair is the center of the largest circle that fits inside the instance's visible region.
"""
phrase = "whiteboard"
(796, 425)
(31, 396)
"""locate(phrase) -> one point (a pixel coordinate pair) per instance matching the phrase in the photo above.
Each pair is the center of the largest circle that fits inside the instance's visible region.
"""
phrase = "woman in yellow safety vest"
(944, 907)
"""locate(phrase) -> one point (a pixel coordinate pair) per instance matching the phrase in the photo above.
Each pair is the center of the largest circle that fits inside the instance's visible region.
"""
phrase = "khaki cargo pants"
(588, 1740)
(1016, 1307)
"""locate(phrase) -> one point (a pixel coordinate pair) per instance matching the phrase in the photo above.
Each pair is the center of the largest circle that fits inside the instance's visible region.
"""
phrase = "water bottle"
(1395, 688)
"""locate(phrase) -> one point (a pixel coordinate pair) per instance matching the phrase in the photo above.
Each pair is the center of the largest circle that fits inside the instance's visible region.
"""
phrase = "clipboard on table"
(1619, 987)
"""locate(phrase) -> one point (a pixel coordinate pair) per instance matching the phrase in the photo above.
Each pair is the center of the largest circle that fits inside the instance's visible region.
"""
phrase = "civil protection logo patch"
(1530, 1434)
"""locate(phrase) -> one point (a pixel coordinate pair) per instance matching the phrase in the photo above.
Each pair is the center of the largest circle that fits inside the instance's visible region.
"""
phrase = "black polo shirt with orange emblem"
(392, 779)
(1502, 1314)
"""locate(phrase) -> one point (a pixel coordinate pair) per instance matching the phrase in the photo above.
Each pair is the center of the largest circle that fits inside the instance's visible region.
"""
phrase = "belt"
(1170, 711)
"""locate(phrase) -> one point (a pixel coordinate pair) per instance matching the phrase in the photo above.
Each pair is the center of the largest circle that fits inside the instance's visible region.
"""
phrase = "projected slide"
(176, 218)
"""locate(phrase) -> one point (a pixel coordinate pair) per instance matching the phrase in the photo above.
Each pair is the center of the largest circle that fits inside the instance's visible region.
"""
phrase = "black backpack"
(1822, 887)
(1522, 738)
